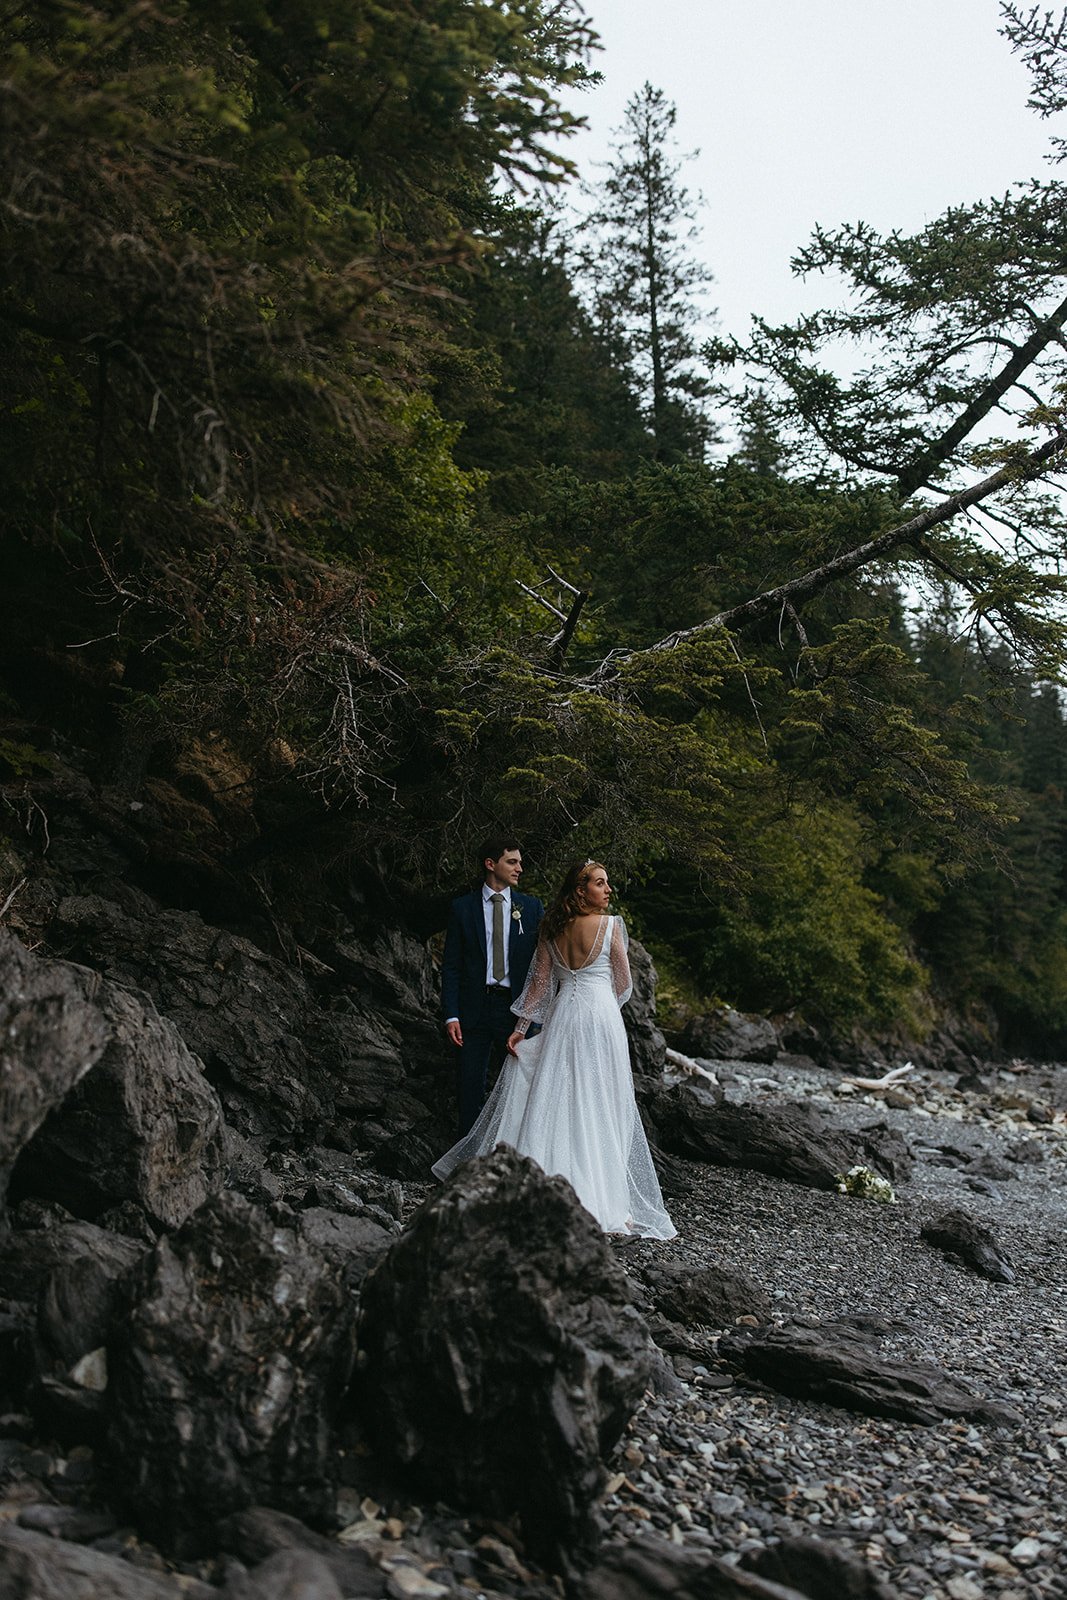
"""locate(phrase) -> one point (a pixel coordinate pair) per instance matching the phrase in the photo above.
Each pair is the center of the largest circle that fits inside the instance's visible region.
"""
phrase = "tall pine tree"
(647, 283)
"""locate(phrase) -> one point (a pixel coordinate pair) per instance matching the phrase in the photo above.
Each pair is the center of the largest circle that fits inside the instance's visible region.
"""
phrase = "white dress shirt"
(487, 909)
(487, 915)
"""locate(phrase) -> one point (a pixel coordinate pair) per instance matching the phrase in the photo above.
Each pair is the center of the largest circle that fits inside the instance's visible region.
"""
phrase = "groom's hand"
(454, 1032)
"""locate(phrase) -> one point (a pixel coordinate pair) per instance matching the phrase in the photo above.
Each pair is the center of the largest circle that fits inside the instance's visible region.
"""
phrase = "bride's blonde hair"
(569, 900)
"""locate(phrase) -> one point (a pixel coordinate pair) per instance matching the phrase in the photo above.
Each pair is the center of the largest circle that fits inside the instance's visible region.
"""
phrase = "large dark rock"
(16, 1352)
(786, 1139)
(67, 1522)
(960, 1235)
(412, 1151)
(390, 975)
(78, 1307)
(31, 1255)
(647, 1044)
(839, 1363)
(35, 1566)
(260, 1535)
(226, 1373)
(708, 1296)
(70, 1275)
(500, 1355)
(651, 1569)
(990, 1165)
(350, 1244)
(281, 1060)
(51, 1034)
(289, 1575)
(729, 1035)
(818, 1570)
(885, 1149)
(143, 1125)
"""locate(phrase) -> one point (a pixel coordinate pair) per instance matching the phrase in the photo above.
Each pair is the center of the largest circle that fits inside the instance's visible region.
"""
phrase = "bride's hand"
(513, 1042)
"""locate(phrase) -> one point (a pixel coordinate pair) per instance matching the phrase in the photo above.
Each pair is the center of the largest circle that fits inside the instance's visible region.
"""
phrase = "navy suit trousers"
(483, 1050)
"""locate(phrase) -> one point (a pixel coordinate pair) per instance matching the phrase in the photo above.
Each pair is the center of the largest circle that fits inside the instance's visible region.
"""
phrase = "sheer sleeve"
(540, 990)
(622, 982)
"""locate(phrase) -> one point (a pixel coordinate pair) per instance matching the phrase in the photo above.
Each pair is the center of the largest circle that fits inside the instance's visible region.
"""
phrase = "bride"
(565, 1096)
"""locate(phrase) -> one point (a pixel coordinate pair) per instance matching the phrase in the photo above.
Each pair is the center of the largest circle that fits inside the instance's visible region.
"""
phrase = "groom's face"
(505, 872)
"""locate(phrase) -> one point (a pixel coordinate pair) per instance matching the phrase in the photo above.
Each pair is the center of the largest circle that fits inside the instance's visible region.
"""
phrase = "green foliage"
(262, 198)
(859, 726)
(795, 926)
(557, 395)
(21, 760)
(295, 396)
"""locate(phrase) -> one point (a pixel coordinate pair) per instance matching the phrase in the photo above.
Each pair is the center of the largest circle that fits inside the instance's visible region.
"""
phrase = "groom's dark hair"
(493, 848)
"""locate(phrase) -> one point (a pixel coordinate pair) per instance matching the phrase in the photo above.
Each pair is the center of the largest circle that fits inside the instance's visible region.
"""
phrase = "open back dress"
(567, 1098)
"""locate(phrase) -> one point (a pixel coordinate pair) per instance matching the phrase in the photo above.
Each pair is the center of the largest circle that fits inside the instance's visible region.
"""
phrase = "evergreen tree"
(557, 395)
(760, 446)
(646, 282)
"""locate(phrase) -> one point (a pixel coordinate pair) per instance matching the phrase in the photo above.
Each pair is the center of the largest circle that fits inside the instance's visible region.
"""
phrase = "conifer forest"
(378, 482)
(311, 378)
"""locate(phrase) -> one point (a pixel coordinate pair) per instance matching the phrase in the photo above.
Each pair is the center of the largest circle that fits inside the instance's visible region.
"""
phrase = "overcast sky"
(810, 111)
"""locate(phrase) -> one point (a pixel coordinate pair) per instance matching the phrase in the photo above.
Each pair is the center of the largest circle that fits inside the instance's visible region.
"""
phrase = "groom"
(489, 944)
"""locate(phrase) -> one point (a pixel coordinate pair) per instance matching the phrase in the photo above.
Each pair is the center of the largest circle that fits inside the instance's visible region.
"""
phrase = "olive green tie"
(498, 937)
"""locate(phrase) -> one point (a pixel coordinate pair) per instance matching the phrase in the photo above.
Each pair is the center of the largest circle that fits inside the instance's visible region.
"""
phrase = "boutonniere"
(516, 916)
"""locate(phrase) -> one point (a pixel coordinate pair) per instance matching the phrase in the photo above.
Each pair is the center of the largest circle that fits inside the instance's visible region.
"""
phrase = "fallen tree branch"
(557, 645)
(819, 578)
(686, 1064)
(888, 1080)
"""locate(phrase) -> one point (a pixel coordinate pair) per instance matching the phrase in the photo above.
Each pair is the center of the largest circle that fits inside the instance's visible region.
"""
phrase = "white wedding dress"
(567, 1098)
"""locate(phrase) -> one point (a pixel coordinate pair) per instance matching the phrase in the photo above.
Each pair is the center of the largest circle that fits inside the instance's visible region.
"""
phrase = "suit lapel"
(477, 922)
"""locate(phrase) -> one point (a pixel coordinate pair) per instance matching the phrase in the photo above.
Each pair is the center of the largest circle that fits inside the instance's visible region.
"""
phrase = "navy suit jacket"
(464, 961)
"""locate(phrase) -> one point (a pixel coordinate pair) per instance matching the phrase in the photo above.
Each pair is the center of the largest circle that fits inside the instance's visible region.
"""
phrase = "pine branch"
(935, 455)
(819, 578)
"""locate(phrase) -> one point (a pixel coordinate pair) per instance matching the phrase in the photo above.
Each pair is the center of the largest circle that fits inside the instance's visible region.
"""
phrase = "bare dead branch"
(557, 646)
(751, 697)
(541, 601)
(11, 897)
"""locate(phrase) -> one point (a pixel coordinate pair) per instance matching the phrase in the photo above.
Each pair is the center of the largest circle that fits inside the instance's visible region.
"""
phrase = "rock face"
(840, 1364)
(787, 1140)
(226, 1373)
(500, 1356)
(279, 1060)
(289, 1575)
(100, 1100)
(32, 1254)
(352, 1244)
(647, 1044)
(654, 1570)
(729, 1035)
(77, 1310)
(958, 1234)
(51, 1034)
(143, 1125)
